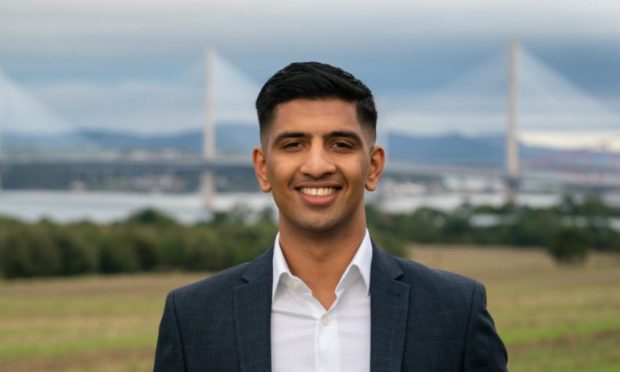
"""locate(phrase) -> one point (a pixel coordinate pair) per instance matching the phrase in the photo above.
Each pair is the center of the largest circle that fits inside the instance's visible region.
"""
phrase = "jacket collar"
(362, 260)
(389, 304)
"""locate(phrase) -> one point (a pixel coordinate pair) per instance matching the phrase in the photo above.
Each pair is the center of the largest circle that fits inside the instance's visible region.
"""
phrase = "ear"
(377, 162)
(260, 169)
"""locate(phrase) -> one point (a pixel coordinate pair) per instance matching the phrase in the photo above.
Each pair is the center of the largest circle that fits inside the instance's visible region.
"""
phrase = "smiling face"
(316, 159)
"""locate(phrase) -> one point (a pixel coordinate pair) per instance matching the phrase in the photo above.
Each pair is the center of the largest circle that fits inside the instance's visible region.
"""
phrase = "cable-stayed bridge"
(514, 93)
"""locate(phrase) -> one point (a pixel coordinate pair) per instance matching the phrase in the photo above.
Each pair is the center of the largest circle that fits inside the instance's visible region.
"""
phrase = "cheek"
(357, 172)
(280, 174)
(363, 167)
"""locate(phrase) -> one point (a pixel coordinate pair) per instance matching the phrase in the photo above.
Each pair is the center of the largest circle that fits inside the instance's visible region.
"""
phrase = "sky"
(138, 65)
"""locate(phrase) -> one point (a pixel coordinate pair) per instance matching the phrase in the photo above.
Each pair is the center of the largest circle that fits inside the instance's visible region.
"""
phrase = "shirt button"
(325, 320)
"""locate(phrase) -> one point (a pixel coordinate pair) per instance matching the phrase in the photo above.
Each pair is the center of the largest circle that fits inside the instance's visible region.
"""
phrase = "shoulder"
(421, 274)
(447, 317)
(220, 287)
(219, 283)
(417, 274)
(431, 286)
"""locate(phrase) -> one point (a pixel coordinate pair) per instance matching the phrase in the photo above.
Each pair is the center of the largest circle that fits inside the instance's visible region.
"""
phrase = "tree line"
(151, 241)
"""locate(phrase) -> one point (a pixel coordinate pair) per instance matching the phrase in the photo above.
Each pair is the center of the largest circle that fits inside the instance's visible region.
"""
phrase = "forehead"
(315, 115)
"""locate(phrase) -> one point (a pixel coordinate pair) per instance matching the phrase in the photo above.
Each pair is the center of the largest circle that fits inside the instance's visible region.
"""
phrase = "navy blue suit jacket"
(421, 320)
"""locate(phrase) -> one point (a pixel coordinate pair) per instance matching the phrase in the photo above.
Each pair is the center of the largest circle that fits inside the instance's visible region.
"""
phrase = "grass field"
(551, 318)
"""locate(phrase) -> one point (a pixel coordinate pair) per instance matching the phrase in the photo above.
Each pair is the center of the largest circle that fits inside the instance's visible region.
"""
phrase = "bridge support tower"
(208, 141)
(512, 142)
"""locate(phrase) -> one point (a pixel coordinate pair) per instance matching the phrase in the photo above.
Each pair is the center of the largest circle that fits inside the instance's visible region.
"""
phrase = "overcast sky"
(129, 64)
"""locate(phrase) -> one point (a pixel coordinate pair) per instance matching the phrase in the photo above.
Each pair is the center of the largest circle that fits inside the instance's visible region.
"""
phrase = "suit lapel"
(389, 303)
(253, 315)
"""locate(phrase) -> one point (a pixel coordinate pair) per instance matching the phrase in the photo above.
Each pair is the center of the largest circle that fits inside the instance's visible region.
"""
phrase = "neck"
(320, 258)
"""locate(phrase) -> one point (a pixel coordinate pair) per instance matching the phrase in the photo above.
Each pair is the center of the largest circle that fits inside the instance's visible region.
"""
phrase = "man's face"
(317, 160)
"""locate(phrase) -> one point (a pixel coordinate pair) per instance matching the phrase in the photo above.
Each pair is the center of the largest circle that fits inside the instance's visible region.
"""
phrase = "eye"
(292, 145)
(342, 145)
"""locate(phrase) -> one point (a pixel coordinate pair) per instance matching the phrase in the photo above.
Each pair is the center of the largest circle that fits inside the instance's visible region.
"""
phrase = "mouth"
(318, 195)
(317, 191)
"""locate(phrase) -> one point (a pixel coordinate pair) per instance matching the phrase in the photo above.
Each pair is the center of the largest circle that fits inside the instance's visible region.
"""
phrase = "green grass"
(551, 318)
(79, 323)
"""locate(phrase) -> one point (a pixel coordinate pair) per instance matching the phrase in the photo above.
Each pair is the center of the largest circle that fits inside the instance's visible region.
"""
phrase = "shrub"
(77, 255)
(204, 251)
(151, 217)
(570, 246)
(144, 242)
(28, 252)
(534, 227)
(116, 255)
(425, 225)
(388, 242)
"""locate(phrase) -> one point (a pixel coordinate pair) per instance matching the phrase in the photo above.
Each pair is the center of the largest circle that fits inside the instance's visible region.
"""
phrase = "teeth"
(318, 191)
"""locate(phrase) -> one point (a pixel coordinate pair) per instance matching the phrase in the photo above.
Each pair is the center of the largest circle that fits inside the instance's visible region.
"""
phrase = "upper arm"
(169, 355)
(484, 350)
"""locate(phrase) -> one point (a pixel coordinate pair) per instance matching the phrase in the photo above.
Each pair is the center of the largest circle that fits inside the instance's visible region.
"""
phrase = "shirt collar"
(361, 261)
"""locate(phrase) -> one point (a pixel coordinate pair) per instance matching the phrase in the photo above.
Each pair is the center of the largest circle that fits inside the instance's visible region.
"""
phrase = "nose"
(318, 163)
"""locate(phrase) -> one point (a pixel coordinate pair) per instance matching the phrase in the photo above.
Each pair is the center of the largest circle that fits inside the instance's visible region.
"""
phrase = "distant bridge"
(514, 116)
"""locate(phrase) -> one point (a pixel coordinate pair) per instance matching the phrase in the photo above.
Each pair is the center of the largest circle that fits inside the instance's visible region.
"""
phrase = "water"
(104, 207)
(64, 206)
(449, 201)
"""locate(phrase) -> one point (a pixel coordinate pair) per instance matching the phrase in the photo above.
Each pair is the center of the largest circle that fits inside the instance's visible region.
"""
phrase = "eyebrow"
(286, 135)
(344, 133)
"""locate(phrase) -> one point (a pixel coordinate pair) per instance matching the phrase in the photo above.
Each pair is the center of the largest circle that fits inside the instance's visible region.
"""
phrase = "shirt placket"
(326, 344)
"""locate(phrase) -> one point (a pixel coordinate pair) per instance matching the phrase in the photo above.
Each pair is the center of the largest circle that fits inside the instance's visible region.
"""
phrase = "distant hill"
(16, 141)
(446, 149)
(457, 149)
(230, 139)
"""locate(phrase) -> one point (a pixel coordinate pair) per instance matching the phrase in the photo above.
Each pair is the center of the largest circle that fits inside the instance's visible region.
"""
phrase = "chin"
(321, 226)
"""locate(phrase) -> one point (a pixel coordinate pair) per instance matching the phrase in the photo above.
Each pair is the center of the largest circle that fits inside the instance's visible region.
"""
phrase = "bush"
(151, 217)
(77, 255)
(116, 255)
(172, 248)
(425, 225)
(534, 228)
(570, 246)
(28, 252)
(388, 242)
(456, 229)
(150, 240)
(203, 251)
(144, 242)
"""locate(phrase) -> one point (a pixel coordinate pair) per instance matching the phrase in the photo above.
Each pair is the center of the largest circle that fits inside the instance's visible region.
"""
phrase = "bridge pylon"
(208, 141)
(513, 171)
(1, 160)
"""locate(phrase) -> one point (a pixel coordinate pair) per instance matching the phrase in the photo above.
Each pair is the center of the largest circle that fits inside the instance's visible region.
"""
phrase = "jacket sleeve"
(484, 350)
(169, 355)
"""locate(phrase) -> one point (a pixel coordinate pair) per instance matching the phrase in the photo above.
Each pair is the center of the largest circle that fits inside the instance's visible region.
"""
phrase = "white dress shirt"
(305, 337)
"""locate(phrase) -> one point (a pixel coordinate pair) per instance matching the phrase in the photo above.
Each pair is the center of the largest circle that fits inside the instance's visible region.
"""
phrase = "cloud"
(105, 29)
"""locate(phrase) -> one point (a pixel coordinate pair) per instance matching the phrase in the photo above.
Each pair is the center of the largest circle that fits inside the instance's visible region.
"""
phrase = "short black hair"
(315, 80)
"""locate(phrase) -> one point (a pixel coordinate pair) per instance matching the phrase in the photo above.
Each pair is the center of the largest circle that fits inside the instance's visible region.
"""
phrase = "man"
(325, 298)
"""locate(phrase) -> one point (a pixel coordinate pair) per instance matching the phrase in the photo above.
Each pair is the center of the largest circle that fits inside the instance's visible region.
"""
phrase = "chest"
(307, 337)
